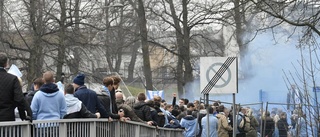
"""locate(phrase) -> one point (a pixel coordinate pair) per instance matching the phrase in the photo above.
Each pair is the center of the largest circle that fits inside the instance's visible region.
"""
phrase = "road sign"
(218, 75)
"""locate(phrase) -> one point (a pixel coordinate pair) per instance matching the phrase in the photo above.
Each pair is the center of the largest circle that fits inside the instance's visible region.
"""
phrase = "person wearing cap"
(87, 96)
(48, 103)
(11, 94)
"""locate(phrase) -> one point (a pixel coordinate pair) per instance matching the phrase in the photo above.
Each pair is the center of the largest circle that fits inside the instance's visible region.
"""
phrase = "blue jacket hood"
(49, 88)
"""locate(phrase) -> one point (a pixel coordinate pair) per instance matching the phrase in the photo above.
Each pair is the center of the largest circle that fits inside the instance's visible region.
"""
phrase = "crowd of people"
(47, 102)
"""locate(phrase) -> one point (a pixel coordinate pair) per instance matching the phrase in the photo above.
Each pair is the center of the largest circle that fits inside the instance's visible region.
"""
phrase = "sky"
(269, 59)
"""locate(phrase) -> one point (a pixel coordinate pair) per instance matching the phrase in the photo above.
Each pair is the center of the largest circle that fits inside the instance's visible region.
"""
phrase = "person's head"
(48, 77)
(249, 112)
(226, 111)
(243, 110)
(169, 107)
(182, 108)
(4, 60)
(190, 106)
(78, 80)
(182, 102)
(142, 96)
(212, 109)
(175, 112)
(108, 82)
(220, 108)
(266, 114)
(68, 89)
(196, 103)
(130, 101)
(116, 81)
(157, 98)
(186, 101)
(37, 83)
(119, 96)
(283, 115)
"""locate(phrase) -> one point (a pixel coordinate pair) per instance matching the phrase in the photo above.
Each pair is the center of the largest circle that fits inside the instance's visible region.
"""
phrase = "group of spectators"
(47, 102)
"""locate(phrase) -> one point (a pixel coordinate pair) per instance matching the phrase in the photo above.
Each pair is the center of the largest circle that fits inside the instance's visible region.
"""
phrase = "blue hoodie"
(48, 103)
(190, 124)
(213, 126)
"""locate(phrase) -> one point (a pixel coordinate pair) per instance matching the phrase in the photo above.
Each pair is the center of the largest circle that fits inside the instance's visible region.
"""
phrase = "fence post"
(26, 130)
(93, 129)
(137, 131)
(63, 129)
(117, 129)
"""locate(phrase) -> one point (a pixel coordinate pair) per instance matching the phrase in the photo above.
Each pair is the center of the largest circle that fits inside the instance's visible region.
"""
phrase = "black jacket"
(83, 113)
(29, 96)
(105, 102)
(143, 111)
(113, 101)
(11, 96)
(283, 127)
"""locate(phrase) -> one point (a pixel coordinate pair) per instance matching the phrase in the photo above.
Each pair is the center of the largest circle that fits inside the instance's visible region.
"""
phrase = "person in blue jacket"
(189, 123)
(213, 124)
(48, 103)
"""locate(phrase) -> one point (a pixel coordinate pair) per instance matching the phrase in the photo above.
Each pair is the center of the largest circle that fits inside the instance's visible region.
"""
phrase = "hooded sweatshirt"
(73, 104)
(189, 123)
(76, 109)
(48, 103)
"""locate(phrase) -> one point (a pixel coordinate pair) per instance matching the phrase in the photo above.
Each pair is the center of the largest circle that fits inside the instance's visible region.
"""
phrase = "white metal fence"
(84, 128)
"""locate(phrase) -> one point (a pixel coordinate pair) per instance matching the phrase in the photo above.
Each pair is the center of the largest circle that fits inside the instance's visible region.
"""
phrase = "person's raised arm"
(174, 99)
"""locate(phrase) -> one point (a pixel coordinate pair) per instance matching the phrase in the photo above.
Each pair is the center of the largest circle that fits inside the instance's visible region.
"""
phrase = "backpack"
(242, 125)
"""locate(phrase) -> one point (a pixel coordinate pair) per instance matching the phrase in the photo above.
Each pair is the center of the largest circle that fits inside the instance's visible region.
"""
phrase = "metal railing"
(84, 128)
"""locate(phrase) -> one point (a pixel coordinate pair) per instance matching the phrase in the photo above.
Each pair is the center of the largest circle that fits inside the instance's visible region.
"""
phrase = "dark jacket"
(105, 102)
(11, 96)
(113, 101)
(29, 96)
(269, 129)
(143, 111)
(90, 100)
(283, 127)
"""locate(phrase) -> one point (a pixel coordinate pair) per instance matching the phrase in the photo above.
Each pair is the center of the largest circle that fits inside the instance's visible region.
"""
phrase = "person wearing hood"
(189, 123)
(88, 97)
(223, 125)
(213, 124)
(37, 83)
(75, 108)
(48, 103)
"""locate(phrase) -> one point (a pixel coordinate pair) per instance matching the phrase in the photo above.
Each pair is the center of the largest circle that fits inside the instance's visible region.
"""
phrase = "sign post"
(224, 79)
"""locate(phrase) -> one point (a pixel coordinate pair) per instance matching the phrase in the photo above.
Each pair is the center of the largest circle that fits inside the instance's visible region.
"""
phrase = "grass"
(135, 91)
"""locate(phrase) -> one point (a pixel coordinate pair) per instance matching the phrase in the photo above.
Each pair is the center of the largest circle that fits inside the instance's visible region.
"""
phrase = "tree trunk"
(180, 42)
(35, 60)
(186, 46)
(239, 31)
(133, 59)
(1, 17)
(62, 36)
(121, 42)
(144, 42)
